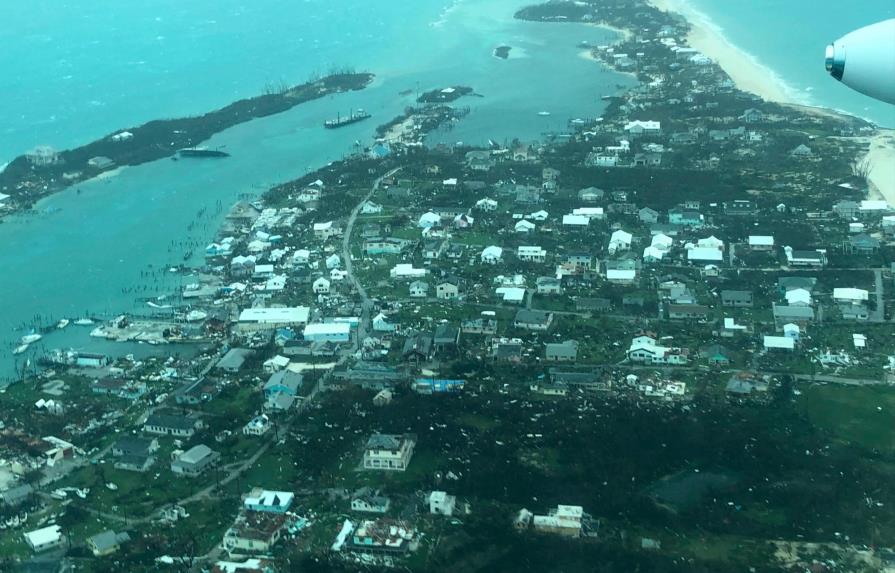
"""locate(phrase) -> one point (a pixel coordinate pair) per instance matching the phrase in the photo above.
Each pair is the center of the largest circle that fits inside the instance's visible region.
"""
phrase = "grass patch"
(863, 416)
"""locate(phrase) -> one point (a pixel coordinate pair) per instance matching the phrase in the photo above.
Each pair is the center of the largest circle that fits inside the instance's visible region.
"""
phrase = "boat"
(29, 338)
(63, 323)
(202, 152)
(83, 322)
(340, 121)
(196, 315)
(543, 113)
(20, 349)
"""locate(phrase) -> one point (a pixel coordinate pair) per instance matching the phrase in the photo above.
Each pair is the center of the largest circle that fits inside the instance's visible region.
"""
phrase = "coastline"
(751, 76)
(746, 72)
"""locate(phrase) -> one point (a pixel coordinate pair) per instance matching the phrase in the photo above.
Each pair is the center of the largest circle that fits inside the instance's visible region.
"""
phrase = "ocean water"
(790, 36)
(91, 67)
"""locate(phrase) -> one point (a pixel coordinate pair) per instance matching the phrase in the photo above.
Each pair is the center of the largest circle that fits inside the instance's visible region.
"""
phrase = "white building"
(621, 276)
(644, 349)
(492, 255)
(486, 204)
(705, 254)
(643, 127)
(620, 241)
(388, 452)
(328, 332)
(428, 220)
(257, 426)
(255, 319)
(405, 271)
(321, 285)
(850, 295)
(590, 212)
(44, 539)
(324, 231)
(575, 221)
(564, 520)
(275, 364)
(524, 226)
(440, 503)
(779, 343)
(761, 242)
(531, 254)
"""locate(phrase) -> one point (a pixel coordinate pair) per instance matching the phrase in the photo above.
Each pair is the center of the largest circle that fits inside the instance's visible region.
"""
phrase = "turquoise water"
(790, 37)
(91, 247)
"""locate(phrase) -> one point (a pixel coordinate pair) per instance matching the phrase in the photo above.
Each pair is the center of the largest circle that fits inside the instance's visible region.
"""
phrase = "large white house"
(644, 349)
(531, 254)
(388, 452)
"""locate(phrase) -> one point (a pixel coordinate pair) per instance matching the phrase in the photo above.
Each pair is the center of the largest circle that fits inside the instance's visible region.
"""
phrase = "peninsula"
(44, 170)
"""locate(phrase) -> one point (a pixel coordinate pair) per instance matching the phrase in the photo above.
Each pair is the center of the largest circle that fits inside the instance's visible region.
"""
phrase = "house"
(531, 254)
(861, 244)
(761, 242)
(382, 537)
(597, 213)
(620, 241)
(194, 461)
(134, 446)
(548, 285)
(854, 312)
(575, 221)
(591, 194)
(686, 218)
(448, 289)
(16, 495)
(511, 295)
(169, 424)
(537, 320)
(705, 255)
(580, 261)
(565, 520)
(45, 538)
(429, 386)
(324, 231)
(639, 127)
(419, 289)
(479, 326)
(798, 315)
(388, 452)
(687, 312)
(736, 298)
(778, 343)
(434, 249)
(562, 351)
(621, 276)
(275, 364)
(805, 259)
(266, 501)
(91, 360)
(446, 339)
(751, 115)
(644, 349)
(417, 348)
(254, 532)
(802, 152)
(506, 349)
(383, 398)
(486, 204)
(107, 542)
(716, 355)
(786, 284)
(798, 297)
(381, 323)
(524, 226)
(745, 383)
(334, 332)
(370, 208)
(366, 502)
(406, 271)
(587, 304)
(648, 216)
(440, 503)
(100, 162)
(321, 286)
(491, 255)
(257, 426)
(385, 246)
(261, 319)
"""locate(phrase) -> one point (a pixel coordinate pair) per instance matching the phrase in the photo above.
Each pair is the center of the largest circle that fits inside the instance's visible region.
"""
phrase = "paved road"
(366, 304)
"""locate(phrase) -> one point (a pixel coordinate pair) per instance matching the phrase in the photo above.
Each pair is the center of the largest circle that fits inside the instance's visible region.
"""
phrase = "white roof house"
(575, 220)
(323, 226)
(761, 241)
(337, 331)
(429, 219)
(874, 205)
(859, 340)
(524, 227)
(513, 295)
(662, 241)
(486, 204)
(653, 254)
(539, 215)
(45, 538)
(791, 330)
(492, 255)
(333, 262)
(705, 254)
(639, 126)
(287, 315)
(589, 212)
(620, 241)
(799, 297)
(779, 343)
(852, 295)
(406, 271)
(712, 242)
(621, 275)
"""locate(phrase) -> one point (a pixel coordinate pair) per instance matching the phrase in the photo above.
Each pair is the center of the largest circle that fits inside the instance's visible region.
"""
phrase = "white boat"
(543, 113)
(20, 349)
(29, 338)
(84, 322)
(196, 315)
(63, 323)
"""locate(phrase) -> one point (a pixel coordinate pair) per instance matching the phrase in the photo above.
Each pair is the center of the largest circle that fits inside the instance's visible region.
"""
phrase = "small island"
(445, 95)
(44, 170)
(502, 52)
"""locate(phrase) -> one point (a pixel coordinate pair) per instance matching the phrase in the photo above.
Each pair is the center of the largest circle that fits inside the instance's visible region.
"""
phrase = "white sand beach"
(881, 163)
(748, 74)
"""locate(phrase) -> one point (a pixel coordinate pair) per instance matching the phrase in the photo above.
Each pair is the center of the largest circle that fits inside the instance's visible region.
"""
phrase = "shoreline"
(750, 75)
(743, 68)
